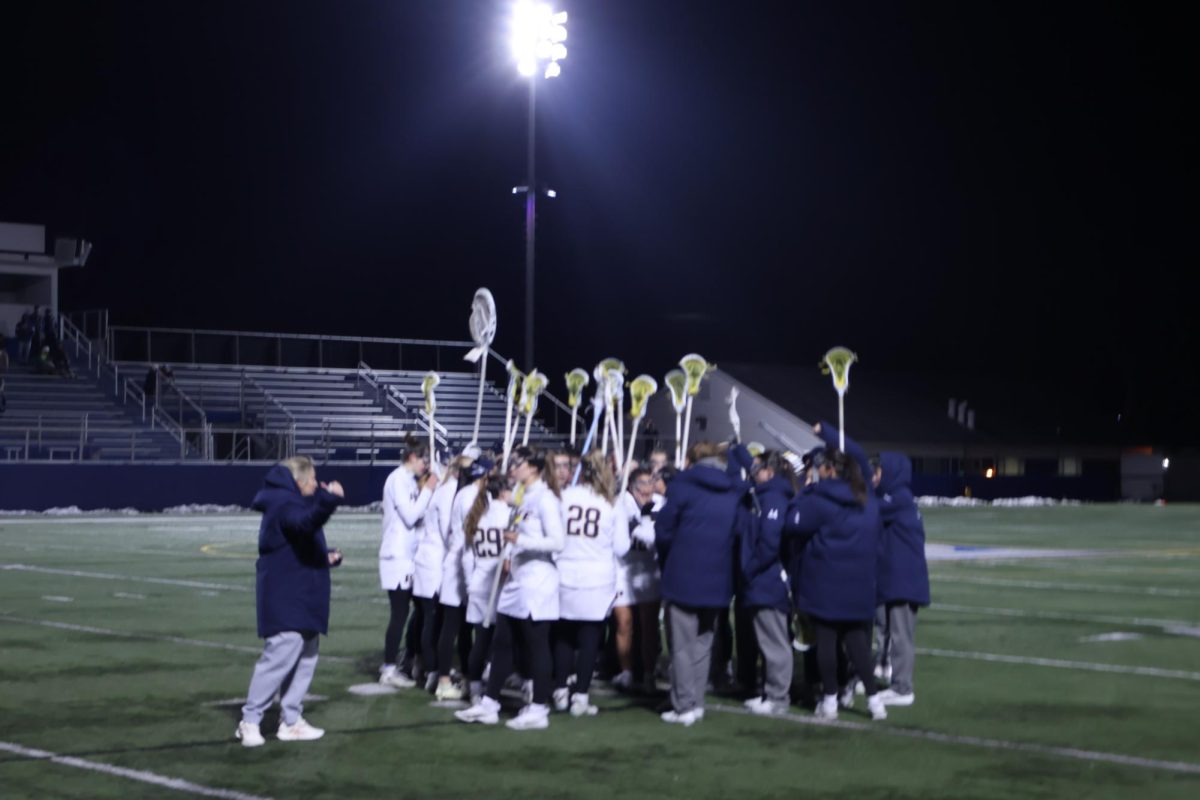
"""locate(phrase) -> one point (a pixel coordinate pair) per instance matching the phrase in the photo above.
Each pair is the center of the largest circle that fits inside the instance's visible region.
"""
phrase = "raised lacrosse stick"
(641, 389)
(837, 363)
(695, 367)
(531, 388)
(577, 379)
(677, 384)
(428, 384)
(483, 331)
(514, 386)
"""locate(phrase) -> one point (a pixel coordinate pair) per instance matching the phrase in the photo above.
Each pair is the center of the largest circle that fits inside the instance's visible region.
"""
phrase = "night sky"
(997, 196)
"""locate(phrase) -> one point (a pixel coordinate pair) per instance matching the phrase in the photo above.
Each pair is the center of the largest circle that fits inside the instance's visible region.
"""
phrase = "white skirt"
(638, 582)
(395, 573)
(586, 603)
(531, 591)
(478, 592)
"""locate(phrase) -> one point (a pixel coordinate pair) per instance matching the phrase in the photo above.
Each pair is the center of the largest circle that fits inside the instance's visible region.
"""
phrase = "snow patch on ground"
(1000, 502)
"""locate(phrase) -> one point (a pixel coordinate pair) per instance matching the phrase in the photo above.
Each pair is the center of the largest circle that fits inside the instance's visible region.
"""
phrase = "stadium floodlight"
(551, 193)
(1166, 463)
(537, 36)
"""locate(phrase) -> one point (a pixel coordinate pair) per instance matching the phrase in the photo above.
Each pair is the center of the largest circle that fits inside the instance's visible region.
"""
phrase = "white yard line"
(110, 576)
(1101, 619)
(67, 626)
(177, 784)
(1156, 591)
(1090, 666)
(977, 741)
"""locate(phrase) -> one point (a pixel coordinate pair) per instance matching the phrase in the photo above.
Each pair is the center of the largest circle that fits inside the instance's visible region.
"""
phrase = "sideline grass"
(146, 703)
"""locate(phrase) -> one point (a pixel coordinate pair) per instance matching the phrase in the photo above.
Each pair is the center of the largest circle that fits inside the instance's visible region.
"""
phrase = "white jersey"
(404, 507)
(454, 587)
(431, 547)
(587, 572)
(531, 590)
(638, 577)
(481, 557)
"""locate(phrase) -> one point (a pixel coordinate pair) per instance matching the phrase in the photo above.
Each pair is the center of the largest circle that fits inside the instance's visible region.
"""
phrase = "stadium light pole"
(538, 33)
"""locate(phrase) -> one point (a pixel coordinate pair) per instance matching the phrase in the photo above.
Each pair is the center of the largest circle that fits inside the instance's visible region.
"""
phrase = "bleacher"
(56, 418)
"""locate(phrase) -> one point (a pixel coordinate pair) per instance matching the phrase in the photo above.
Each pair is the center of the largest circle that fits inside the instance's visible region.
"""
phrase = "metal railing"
(250, 393)
(378, 434)
(67, 332)
(399, 401)
(46, 442)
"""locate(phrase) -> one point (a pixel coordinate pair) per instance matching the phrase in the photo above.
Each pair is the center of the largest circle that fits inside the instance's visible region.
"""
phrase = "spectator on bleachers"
(49, 328)
(45, 364)
(62, 364)
(24, 336)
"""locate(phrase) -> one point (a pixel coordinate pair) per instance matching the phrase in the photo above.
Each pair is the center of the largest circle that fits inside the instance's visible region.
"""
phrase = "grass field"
(125, 643)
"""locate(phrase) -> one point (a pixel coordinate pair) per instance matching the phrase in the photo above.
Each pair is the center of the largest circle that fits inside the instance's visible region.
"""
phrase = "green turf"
(129, 699)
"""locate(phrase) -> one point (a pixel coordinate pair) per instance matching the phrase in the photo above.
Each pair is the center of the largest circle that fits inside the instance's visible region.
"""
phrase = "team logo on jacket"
(774, 514)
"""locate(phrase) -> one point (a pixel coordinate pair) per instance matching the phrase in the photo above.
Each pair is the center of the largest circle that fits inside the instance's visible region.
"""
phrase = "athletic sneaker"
(876, 707)
(799, 645)
(622, 681)
(533, 717)
(890, 697)
(485, 712)
(827, 708)
(298, 731)
(390, 676)
(581, 707)
(562, 699)
(685, 718)
(249, 735)
(764, 707)
(846, 698)
(448, 691)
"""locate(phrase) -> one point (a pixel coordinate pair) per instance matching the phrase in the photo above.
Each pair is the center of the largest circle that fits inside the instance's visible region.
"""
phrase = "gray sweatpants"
(286, 666)
(691, 632)
(895, 642)
(775, 643)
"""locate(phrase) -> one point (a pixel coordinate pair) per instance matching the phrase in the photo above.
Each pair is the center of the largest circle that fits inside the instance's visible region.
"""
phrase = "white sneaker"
(485, 712)
(876, 707)
(580, 707)
(800, 646)
(846, 698)
(298, 731)
(448, 691)
(890, 697)
(622, 681)
(562, 699)
(686, 718)
(249, 734)
(390, 676)
(827, 708)
(764, 707)
(533, 717)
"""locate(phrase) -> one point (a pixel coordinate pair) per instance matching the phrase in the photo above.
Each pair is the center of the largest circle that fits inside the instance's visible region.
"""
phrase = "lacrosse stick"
(483, 331)
(576, 379)
(641, 389)
(695, 367)
(533, 385)
(597, 411)
(677, 384)
(428, 384)
(514, 385)
(837, 363)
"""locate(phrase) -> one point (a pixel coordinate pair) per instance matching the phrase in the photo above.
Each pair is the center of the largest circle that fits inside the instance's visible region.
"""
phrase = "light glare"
(538, 34)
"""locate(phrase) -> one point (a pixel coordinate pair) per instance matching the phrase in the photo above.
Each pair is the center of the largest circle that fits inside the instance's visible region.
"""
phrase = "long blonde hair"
(596, 471)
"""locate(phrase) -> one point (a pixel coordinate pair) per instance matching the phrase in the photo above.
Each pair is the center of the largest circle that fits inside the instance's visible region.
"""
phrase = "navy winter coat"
(903, 573)
(293, 559)
(761, 538)
(695, 537)
(836, 569)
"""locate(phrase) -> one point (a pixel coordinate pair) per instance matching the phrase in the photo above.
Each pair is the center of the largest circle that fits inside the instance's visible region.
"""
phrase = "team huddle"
(533, 576)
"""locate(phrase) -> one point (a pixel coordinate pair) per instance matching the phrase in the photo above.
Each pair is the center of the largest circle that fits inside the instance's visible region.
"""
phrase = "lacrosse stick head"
(641, 389)
(533, 385)
(756, 449)
(482, 323)
(837, 363)
(676, 382)
(428, 384)
(695, 368)
(576, 379)
(514, 380)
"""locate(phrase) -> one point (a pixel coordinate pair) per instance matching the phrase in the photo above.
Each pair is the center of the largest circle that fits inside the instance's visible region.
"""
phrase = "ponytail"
(848, 470)
(596, 472)
(488, 491)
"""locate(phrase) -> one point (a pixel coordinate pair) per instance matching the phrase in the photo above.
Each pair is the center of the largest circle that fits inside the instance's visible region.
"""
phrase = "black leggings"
(398, 599)
(575, 646)
(535, 641)
(481, 651)
(831, 637)
(452, 629)
(430, 617)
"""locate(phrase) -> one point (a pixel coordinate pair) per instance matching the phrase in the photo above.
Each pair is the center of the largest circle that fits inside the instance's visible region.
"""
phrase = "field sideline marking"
(1103, 619)
(112, 576)
(978, 741)
(1080, 587)
(178, 784)
(67, 626)
(1156, 672)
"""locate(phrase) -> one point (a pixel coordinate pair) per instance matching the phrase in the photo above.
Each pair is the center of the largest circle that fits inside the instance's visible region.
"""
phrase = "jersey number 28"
(590, 519)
